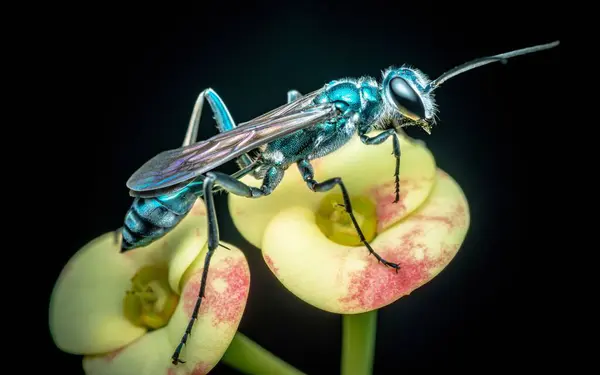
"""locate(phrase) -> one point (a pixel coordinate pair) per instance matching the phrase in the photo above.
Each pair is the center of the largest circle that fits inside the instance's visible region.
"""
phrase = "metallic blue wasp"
(306, 128)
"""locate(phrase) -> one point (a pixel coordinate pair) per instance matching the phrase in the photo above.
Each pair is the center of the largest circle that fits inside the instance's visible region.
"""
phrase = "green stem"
(358, 343)
(248, 357)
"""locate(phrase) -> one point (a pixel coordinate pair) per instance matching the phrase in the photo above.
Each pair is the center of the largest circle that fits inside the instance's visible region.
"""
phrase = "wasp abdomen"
(148, 219)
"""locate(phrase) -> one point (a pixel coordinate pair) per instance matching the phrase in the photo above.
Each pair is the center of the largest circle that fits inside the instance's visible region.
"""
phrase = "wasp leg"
(213, 243)
(400, 131)
(230, 184)
(293, 95)
(222, 117)
(306, 170)
(380, 138)
(270, 181)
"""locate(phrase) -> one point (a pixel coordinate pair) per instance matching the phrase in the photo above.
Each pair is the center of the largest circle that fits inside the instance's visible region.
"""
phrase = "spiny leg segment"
(234, 186)
(225, 123)
(222, 117)
(380, 138)
(307, 172)
(213, 242)
(230, 184)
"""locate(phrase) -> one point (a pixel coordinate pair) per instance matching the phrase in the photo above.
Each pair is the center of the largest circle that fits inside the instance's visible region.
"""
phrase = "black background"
(123, 83)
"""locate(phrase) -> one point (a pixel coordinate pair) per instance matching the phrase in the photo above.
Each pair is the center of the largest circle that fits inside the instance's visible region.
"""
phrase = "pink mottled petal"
(149, 355)
(348, 280)
(85, 313)
(220, 314)
(365, 170)
(227, 289)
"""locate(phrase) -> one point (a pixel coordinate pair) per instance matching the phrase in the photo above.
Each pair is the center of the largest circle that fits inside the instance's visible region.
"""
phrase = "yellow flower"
(310, 244)
(127, 312)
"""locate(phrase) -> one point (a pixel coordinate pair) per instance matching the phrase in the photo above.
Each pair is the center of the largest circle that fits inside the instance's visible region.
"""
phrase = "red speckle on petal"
(384, 196)
(378, 285)
(316, 164)
(459, 215)
(442, 174)
(457, 218)
(200, 369)
(450, 248)
(271, 264)
(199, 209)
(109, 357)
(227, 303)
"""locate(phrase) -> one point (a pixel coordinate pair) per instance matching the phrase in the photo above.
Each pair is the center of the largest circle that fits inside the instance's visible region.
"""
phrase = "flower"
(310, 245)
(127, 312)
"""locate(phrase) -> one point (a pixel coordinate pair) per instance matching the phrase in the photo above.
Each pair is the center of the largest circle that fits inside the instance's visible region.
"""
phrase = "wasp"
(307, 127)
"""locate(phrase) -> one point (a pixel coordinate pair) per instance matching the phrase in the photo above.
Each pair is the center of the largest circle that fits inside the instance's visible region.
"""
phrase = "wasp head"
(408, 93)
(407, 98)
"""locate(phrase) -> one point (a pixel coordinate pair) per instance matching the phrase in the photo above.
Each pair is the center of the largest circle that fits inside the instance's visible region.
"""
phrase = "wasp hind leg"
(222, 117)
(380, 138)
(213, 243)
(234, 186)
(306, 170)
(293, 95)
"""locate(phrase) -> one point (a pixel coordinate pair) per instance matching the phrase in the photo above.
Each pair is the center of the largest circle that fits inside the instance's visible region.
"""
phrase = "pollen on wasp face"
(150, 302)
(336, 224)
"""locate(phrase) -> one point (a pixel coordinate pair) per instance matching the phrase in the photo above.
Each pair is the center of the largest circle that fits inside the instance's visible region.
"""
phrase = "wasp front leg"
(307, 172)
(400, 131)
(271, 180)
(380, 138)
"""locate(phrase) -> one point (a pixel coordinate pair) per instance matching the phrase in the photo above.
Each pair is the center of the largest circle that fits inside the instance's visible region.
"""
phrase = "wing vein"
(174, 167)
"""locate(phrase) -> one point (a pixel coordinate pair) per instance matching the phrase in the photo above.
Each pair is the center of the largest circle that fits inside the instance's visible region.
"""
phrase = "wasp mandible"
(306, 128)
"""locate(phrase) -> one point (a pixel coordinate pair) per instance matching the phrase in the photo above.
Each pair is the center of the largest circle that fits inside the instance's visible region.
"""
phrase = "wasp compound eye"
(409, 102)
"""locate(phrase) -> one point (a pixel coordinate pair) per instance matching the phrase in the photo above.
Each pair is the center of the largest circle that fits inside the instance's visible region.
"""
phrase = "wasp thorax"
(336, 224)
(406, 99)
(150, 302)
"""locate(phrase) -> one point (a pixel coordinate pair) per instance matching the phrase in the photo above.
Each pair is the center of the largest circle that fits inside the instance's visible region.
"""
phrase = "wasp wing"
(303, 102)
(177, 166)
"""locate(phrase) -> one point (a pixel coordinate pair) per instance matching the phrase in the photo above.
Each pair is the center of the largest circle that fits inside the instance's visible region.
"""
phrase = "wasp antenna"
(503, 57)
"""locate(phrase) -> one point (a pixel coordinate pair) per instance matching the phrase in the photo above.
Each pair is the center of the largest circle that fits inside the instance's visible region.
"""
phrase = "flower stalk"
(358, 343)
(358, 330)
(248, 357)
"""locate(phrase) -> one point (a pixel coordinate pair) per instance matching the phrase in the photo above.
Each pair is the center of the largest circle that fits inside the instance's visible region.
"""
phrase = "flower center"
(150, 302)
(336, 224)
